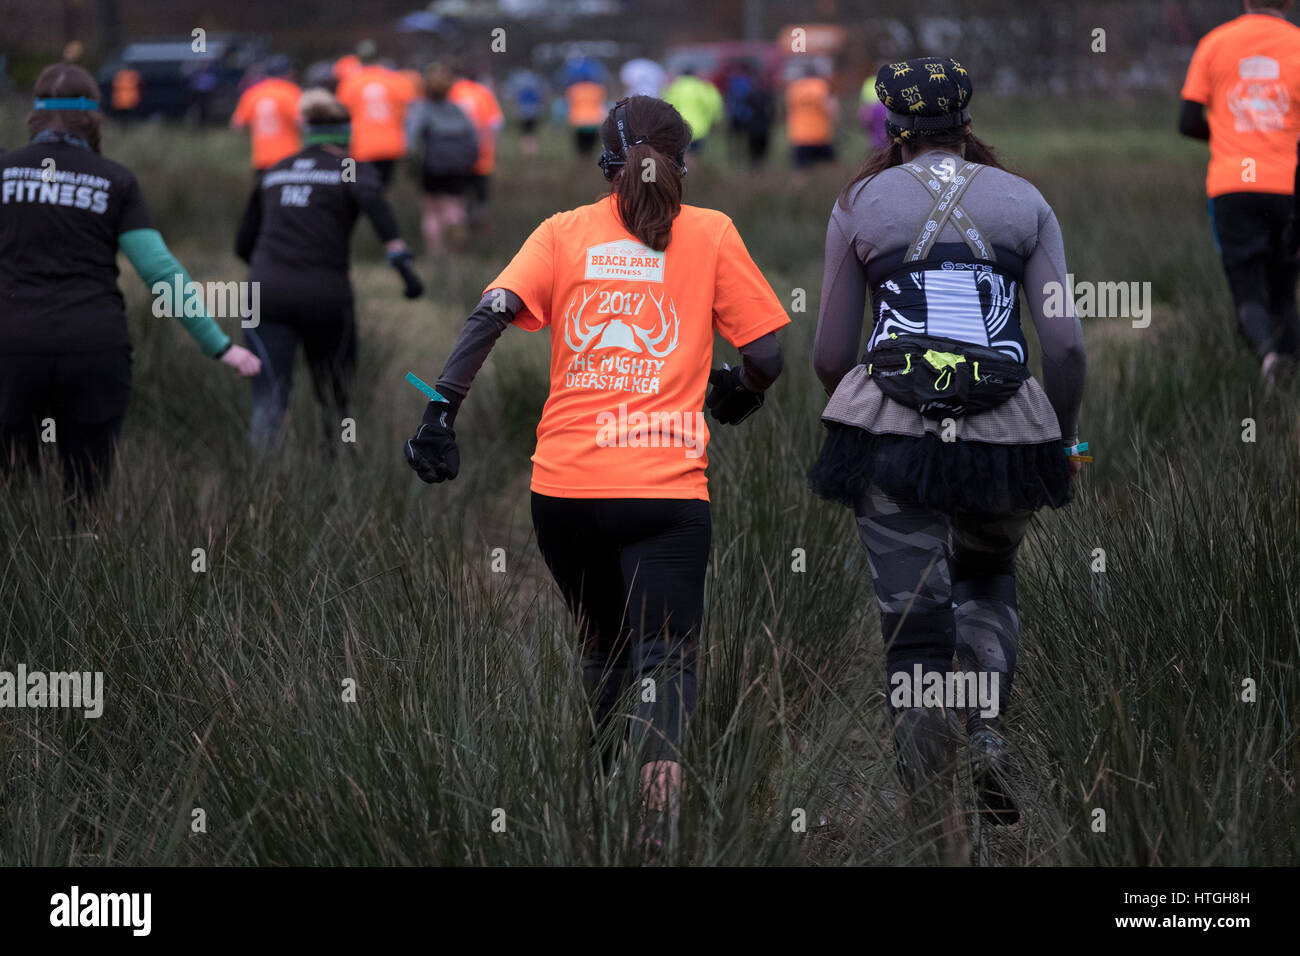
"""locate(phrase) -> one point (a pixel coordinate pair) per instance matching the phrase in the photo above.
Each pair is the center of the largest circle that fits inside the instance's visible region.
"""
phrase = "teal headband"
(67, 103)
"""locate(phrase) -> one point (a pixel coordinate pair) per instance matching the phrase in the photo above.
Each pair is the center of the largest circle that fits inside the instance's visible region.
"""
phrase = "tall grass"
(224, 689)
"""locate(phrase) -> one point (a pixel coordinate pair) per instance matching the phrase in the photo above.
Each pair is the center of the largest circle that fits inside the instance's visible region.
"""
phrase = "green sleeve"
(155, 264)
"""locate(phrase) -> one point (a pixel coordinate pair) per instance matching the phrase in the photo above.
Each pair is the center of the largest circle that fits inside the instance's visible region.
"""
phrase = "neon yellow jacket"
(698, 101)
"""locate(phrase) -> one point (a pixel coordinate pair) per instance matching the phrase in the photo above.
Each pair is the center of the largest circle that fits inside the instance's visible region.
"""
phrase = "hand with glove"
(432, 452)
(729, 400)
(401, 259)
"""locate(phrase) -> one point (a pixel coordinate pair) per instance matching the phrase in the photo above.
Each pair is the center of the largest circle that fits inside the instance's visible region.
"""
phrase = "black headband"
(620, 121)
(611, 162)
(926, 124)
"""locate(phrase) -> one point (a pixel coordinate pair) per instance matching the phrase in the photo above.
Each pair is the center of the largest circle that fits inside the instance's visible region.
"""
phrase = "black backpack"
(450, 140)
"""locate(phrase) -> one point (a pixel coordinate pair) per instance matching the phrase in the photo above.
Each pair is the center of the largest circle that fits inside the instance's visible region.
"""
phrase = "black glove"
(729, 401)
(433, 452)
(401, 261)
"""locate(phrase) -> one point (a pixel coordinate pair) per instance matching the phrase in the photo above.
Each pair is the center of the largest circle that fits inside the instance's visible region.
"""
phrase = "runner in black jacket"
(65, 357)
(295, 235)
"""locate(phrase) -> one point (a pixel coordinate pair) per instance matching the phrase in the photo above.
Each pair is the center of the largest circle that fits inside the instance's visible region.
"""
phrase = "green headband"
(320, 133)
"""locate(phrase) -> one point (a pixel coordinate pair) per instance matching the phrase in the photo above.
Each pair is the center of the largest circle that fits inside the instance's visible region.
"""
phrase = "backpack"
(450, 140)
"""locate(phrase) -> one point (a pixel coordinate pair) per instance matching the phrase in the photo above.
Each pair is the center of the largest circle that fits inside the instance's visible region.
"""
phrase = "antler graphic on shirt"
(651, 341)
(574, 320)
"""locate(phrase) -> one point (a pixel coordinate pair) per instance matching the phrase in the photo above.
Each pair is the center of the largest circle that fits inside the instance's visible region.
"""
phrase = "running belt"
(966, 291)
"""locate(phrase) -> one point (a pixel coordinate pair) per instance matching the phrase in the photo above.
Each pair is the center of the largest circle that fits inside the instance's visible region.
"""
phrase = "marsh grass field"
(223, 689)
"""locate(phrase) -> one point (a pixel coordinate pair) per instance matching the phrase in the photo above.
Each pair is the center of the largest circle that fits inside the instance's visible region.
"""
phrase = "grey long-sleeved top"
(885, 215)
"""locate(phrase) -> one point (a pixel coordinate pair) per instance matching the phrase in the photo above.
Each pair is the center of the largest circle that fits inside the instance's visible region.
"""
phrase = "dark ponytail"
(970, 146)
(648, 188)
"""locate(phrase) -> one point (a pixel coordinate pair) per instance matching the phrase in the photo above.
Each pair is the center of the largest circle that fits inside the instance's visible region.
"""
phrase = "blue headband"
(67, 103)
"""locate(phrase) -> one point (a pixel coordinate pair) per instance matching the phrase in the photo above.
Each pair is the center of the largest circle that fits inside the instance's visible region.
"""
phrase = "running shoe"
(988, 764)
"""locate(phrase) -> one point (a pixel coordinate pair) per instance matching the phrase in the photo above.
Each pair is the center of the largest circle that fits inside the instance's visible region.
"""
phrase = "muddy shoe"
(988, 765)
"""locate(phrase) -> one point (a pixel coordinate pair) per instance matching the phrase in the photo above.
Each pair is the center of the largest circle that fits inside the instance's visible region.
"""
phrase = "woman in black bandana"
(65, 358)
(939, 438)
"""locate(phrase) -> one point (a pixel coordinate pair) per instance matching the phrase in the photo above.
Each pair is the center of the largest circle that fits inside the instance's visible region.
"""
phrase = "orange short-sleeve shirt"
(808, 112)
(377, 98)
(481, 105)
(586, 104)
(270, 111)
(631, 333)
(1247, 73)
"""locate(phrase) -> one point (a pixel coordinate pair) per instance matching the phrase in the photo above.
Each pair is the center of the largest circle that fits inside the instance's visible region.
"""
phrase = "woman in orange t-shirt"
(631, 290)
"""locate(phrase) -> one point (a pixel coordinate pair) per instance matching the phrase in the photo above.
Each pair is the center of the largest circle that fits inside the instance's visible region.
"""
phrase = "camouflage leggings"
(946, 585)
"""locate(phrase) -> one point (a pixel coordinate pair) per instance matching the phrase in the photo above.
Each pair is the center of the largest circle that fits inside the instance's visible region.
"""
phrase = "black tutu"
(965, 476)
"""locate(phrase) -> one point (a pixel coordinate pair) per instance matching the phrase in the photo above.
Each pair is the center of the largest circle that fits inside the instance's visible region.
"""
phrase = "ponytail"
(648, 188)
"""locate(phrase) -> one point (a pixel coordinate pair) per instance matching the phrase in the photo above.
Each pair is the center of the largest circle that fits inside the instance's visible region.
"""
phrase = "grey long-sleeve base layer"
(886, 214)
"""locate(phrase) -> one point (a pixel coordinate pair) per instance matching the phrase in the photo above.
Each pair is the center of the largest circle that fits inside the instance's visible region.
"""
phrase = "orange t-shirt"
(377, 98)
(481, 105)
(808, 112)
(1247, 73)
(126, 89)
(269, 109)
(345, 66)
(586, 104)
(631, 346)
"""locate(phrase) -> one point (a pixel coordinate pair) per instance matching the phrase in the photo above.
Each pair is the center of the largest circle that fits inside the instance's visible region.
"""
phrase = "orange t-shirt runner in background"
(586, 104)
(808, 116)
(631, 346)
(270, 109)
(126, 89)
(481, 105)
(1247, 74)
(345, 66)
(377, 98)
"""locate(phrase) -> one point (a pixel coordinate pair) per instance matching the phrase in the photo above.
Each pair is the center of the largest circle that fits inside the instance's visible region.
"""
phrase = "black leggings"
(328, 336)
(1262, 277)
(83, 394)
(632, 573)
